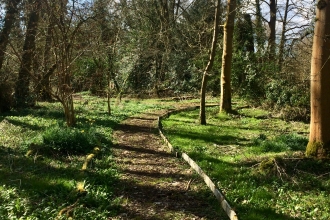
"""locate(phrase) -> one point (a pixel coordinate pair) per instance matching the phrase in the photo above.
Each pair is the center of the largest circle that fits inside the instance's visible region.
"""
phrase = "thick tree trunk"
(8, 24)
(225, 99)
(319, 138)
(202, 115)
(23, 82)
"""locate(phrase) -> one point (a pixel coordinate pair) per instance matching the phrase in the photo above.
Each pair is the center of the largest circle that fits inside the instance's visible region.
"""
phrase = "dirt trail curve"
(153, 184)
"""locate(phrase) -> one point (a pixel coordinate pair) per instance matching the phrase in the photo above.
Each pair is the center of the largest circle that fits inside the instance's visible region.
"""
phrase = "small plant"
(69, 139)
(281, 143)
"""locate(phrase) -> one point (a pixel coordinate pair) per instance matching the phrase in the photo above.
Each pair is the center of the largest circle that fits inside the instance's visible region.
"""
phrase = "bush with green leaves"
(89, 75)
(282, 143)
(74, 140)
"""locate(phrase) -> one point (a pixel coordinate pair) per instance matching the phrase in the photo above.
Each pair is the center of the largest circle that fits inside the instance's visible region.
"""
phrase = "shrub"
(71, 140)
(280, 143)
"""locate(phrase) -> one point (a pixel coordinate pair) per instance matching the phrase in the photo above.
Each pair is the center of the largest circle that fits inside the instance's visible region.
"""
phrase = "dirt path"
(153, 184)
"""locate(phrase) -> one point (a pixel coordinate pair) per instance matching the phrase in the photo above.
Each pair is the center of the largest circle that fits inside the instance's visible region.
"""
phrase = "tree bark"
(319, 138)
(47, 69)
(260, 35)
(202, 115)
(225, 99)
(8, 24)
(272, 28)
(23, 82)
(283, 40)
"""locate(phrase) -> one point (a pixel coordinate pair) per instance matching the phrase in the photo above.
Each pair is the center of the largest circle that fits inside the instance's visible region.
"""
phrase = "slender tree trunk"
(202, 115)
(272, 28)
(165, 10)
(177, 8)
(282, 43)
(8, 24)
(111, 75)
(225, 99)
(65, 58)
(260, 39)
(319, 138)
(108, 38)
(250, 39)
(47, 69)
(23, 82)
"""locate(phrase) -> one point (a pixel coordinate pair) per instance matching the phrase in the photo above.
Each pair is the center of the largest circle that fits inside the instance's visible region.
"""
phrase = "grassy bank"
(257, 160)
(41, 160)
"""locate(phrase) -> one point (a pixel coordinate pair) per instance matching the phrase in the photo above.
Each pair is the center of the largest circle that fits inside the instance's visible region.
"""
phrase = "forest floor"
(153, 183)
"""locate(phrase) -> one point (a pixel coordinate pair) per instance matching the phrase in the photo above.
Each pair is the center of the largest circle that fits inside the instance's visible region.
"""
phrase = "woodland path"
(153, 183)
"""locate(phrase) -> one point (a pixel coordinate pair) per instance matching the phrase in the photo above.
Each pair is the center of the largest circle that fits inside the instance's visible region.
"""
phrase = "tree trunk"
(319, 138)
(8, 24)
(69, 112)
(111, 75)
(282, 43)
(260, 35)
(23, 82)
(272, 28)
(202, 115)
(225, 99)
(47, 70)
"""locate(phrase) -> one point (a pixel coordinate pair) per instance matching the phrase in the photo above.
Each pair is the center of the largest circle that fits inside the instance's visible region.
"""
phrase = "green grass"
(38, 185)
(257, 161)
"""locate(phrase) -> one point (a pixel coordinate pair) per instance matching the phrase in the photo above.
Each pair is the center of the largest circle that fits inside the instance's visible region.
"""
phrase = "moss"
(315, 149)
(267, 166)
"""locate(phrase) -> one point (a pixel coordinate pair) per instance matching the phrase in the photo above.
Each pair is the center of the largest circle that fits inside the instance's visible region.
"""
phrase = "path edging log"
(220, 197)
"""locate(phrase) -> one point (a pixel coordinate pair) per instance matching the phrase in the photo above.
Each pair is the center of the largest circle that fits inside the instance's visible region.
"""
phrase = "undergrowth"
(257, 161)
(41, 160)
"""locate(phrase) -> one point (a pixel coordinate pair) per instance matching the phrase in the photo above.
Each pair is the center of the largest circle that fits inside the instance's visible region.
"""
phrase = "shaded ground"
(154, 184)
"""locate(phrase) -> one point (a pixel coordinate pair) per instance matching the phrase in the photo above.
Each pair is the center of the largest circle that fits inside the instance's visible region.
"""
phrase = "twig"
(189, 183)
(280, 170)
(323, 175)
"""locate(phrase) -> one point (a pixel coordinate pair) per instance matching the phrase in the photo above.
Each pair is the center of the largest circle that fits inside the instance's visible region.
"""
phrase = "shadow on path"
(153, 183)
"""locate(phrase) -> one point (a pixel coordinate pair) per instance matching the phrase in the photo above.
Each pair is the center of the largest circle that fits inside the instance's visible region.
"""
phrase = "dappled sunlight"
(256, 160)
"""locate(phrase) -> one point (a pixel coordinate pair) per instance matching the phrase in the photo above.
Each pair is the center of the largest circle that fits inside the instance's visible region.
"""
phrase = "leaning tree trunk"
(202, 115)
(24, 75)
(225, 99)
(319, 137)
(7, 26)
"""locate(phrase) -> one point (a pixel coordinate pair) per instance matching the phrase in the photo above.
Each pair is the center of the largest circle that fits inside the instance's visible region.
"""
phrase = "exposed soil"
(154, 184)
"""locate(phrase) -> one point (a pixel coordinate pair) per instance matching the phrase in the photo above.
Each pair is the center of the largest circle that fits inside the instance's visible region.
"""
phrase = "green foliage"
(282, 143)
(39, 184)
(287, 92)
(257, 161)
(71, 140)
(291, 97)
(89, 75)
(247, 78)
